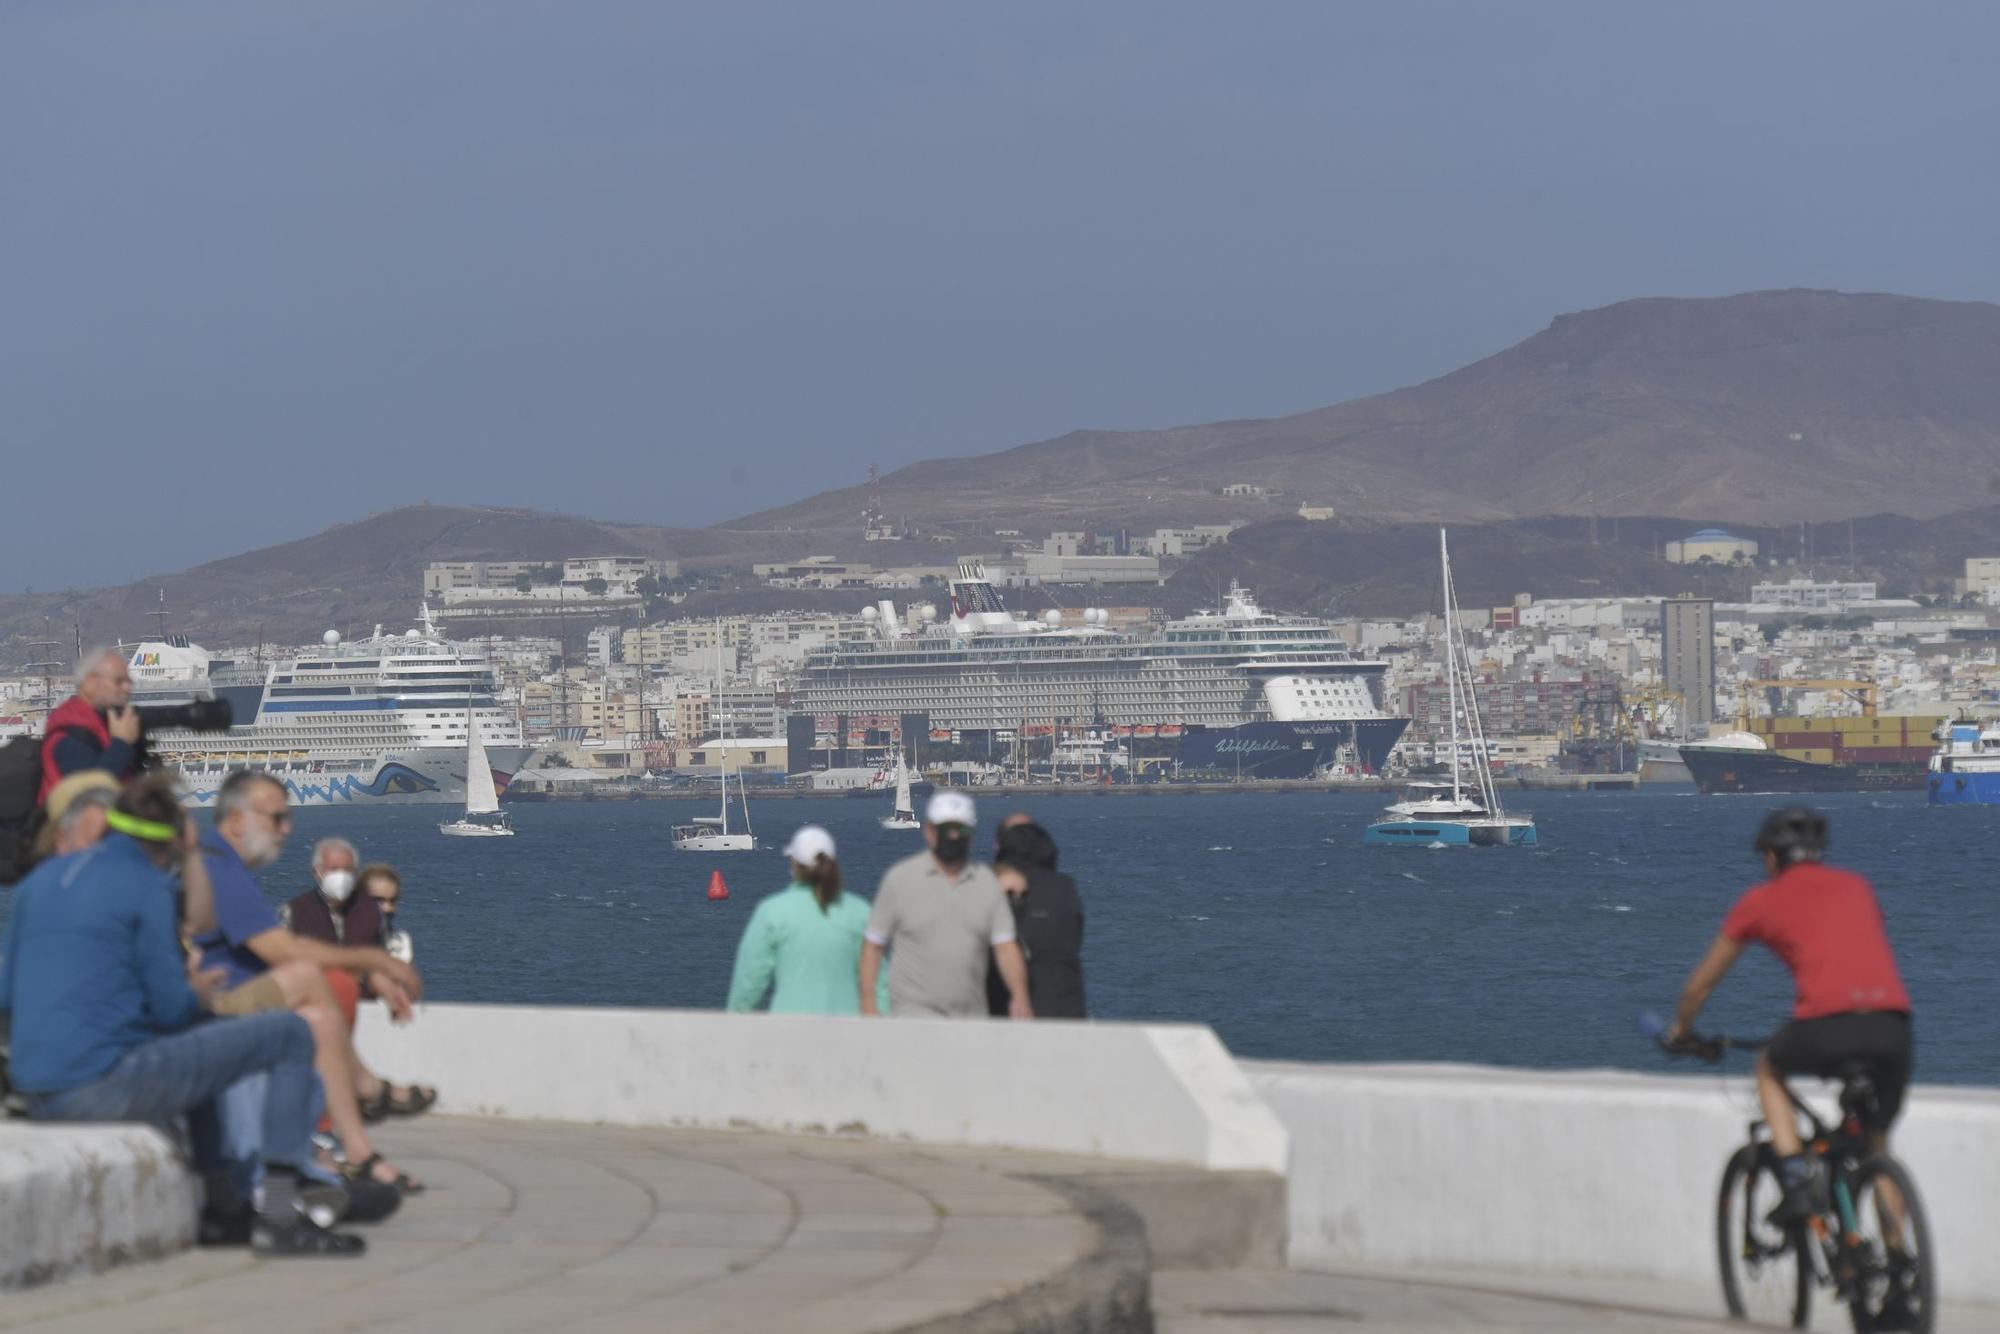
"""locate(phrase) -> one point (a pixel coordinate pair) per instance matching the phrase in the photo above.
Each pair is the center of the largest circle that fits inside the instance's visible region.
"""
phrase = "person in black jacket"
(1048, 922)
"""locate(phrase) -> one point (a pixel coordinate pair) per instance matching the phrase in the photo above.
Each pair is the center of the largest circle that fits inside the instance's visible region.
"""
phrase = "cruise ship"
(1248, 692)
(378, 721)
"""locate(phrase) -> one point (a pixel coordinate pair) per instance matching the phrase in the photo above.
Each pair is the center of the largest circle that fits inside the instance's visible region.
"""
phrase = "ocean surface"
(1259, 914)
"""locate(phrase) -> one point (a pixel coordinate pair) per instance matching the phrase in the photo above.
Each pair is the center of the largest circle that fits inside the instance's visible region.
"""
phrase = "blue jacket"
(91, 966)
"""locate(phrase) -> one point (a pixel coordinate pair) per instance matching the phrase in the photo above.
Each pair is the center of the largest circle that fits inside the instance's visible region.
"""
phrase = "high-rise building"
(1687, 655)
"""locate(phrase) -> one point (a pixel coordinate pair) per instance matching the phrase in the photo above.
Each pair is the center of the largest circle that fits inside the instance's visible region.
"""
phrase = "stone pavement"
(532, 1226)
(1300, 1302)
(594, 1229)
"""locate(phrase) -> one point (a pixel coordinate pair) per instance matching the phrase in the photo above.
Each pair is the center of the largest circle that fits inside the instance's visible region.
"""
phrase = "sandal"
(417, 1103)
(376, 1108)
(365, 1171)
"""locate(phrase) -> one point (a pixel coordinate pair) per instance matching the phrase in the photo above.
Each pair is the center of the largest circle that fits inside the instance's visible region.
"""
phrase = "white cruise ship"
(1247, 691)
(381, 720)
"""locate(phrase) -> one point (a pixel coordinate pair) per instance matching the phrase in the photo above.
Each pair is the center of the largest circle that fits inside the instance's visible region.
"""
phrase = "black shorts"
(1827, 1046)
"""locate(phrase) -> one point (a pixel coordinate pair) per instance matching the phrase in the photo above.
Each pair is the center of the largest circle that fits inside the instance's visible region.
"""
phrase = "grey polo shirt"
(940, 927)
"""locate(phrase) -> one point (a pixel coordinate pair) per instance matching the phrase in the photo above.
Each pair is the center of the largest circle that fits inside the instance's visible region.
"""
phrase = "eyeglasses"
(954, 828)
(388, 900)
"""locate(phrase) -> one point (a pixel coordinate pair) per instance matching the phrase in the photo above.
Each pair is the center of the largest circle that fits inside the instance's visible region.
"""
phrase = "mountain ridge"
(1763, 407)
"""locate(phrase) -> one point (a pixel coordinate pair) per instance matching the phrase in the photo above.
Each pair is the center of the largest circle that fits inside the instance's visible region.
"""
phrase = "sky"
(269, 267)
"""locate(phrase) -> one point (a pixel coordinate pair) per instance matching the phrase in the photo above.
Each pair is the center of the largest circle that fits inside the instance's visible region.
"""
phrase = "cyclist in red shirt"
(1826, 927)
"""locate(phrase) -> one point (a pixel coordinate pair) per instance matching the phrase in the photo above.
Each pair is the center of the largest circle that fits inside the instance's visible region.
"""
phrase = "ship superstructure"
(1246, 690)
(382, 719)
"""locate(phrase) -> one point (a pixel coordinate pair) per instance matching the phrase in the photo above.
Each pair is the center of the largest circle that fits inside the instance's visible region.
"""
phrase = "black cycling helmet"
(1793, 834)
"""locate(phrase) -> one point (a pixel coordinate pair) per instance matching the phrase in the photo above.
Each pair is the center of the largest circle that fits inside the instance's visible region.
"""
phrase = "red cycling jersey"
(1827, 928)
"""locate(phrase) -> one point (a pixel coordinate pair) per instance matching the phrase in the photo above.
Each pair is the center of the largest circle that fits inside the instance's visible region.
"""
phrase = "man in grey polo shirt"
(942, 912)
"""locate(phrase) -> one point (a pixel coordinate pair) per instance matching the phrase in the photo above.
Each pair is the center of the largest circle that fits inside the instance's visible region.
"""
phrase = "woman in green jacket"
(803, 944)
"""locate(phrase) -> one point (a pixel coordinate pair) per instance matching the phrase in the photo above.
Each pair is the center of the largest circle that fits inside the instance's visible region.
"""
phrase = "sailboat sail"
(902, 786)
(480, 796)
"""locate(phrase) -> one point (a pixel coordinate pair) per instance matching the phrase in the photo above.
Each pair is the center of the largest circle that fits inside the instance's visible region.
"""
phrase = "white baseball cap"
(808, 844)
(950, 807)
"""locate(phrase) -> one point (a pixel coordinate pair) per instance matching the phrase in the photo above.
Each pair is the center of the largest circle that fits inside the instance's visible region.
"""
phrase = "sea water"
(1259, 914)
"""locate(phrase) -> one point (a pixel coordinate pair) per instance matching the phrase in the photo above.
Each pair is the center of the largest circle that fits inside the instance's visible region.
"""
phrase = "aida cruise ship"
(378, 721)
(1247, 691)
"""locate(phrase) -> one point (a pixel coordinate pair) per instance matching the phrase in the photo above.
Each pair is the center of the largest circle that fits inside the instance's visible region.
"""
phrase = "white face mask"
(336, 885)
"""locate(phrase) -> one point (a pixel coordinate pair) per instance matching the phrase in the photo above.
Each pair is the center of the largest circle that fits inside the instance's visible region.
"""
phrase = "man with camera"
(97, 727)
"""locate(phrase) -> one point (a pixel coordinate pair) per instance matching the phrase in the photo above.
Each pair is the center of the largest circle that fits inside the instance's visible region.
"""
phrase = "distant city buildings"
(1687, 656)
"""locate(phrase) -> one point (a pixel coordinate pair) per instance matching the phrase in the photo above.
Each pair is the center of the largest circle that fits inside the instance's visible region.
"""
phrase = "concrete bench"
(76, 1198)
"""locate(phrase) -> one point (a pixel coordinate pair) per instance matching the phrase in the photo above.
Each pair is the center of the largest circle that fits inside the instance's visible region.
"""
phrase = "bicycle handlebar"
(1711, 1048)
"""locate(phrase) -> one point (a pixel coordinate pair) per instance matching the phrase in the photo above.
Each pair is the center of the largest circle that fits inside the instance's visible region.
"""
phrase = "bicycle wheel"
(1895, 1283)
(1765, 1274)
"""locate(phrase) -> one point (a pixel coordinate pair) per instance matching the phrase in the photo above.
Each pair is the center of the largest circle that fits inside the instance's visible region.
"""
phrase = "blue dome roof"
(1714, 534)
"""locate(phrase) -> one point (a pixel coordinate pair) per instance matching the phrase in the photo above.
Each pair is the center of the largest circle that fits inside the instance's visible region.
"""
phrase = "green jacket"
(809, 961)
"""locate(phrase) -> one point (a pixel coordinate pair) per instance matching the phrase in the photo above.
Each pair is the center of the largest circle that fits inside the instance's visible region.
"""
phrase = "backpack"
(20, 805)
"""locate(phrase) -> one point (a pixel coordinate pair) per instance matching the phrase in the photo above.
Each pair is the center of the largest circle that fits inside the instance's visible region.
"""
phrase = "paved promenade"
(533, 1226)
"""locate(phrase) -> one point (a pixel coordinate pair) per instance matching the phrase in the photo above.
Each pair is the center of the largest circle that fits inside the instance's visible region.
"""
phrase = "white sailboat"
(1427, 816)
(711, 833)
(707, 833)
(483, 817)
(904, 816)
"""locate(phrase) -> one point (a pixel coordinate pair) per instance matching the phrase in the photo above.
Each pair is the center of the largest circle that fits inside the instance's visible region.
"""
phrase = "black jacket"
(1048, 925)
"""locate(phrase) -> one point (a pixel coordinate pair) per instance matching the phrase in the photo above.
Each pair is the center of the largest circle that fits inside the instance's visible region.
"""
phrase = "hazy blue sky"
(268, 266)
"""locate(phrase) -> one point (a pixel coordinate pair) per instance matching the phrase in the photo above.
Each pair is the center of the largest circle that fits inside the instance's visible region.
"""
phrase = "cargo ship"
(1795, 754)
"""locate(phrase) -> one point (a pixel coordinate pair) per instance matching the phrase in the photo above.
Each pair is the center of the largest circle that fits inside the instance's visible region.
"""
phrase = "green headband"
(152, 831)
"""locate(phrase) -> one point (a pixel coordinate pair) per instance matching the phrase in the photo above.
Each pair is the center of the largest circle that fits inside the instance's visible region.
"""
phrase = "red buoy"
(717, 889)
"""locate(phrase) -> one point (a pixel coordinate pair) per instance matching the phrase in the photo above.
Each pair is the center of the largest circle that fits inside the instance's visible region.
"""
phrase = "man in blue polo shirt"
(108, 1014)
(266, 967)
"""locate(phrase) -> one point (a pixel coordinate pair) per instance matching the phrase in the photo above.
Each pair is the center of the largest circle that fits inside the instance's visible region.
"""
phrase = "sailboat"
(483, 817)
(904, 816)
(1428, 816)
(710, 833)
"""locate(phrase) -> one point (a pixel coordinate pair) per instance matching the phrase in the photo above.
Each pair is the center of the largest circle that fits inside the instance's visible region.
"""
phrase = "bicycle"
(1867, 1239)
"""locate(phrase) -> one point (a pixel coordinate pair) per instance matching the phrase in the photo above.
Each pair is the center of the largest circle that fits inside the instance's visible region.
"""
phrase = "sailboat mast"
(1450, 658)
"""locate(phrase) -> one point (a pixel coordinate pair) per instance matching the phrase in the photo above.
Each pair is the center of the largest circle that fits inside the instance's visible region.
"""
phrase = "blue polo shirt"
(91, 966)
(241, 913)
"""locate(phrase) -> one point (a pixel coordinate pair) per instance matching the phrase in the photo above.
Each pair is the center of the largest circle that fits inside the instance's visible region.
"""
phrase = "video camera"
(201, 715)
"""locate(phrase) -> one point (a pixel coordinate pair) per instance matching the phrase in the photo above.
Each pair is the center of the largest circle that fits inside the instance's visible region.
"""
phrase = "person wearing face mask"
(266, 966)
(937, 914)
(333, 911)
(336, 912)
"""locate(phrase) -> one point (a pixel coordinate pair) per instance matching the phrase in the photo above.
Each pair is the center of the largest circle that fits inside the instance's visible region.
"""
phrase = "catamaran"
(904, 816)
(483, 817)
(1431, 816)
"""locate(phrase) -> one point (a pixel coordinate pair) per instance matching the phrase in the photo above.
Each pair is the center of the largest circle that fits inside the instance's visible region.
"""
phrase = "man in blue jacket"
(109, 1017)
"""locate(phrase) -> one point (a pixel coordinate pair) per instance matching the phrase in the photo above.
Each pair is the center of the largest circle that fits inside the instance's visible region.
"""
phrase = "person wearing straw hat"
(802, 946)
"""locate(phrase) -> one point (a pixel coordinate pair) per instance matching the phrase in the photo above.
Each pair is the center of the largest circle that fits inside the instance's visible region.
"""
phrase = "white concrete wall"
(81, 1197)
(1592, 1173)
(1157, 1093)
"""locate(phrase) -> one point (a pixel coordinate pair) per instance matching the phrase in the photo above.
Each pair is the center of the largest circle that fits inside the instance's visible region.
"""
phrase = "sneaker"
(304, 1237)
(325, 1204)
(1800, 1179)
(1896, 1312)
